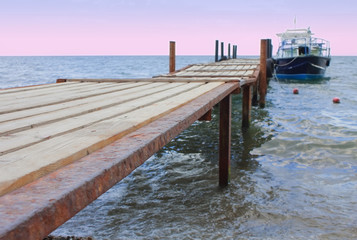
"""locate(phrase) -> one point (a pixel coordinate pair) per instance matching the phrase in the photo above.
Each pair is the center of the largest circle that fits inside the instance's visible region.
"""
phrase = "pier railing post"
(172, 56)
(246, 105)
(216, 52)
(263, 73)
(224, 141)
(234, 51)
(229, 51)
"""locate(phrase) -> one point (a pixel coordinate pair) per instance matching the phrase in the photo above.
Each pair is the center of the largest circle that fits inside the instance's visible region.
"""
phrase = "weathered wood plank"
(64, 105)
(32, 88)
(15, 141)
(50, 99)
(48, 94)
(82, 106)
(20, 167)
(43, 91)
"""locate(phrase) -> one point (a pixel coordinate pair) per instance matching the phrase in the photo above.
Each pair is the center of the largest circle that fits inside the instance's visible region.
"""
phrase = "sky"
(145, 27)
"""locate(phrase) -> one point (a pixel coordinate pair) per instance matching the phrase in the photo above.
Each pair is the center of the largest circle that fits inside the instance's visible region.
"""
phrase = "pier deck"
(63, 145)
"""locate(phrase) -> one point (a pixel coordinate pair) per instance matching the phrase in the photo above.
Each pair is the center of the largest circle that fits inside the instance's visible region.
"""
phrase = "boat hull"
(301, 67)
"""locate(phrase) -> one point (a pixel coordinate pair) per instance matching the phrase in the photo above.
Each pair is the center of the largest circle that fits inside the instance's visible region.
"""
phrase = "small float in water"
(301, 56)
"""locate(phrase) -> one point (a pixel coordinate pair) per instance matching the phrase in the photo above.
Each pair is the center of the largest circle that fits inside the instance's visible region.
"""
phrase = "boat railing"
(293, 47)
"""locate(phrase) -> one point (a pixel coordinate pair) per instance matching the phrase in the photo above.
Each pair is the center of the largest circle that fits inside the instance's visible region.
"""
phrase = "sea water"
(293, 172)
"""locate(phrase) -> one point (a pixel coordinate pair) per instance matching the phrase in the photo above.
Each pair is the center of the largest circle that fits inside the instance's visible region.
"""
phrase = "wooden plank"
(64, 105)
(83, 106)
(111, 80)
(205, 79)
(23, 104)
(42, 91)
(31, 88)
(15, 141)
(48, 93)
(19, 168)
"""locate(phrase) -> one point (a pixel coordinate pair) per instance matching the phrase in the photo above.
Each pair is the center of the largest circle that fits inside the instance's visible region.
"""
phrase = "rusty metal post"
(172, 56)
(224, 141)
(216, 51)
(263, 73)
(246, 105)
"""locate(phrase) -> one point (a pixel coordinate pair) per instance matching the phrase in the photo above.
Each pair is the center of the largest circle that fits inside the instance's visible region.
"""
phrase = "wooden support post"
(255, 94)
(229, 51)
(222, 50)
(172, 56)
(246, 105)
(207, 116)
(216, 52)
(60, 80)
(224, 141)
(234, 51)
(269, 49)
(263, 73)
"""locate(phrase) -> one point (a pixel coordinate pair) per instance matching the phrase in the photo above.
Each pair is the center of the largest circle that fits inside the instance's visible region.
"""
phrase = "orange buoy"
(336, 100)
(296, 91)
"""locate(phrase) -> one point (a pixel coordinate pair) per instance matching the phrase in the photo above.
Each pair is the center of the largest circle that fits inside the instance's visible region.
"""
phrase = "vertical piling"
(229, 51)
(269, 49)
(263, 73)
(255, 94)
(246, 105)
(216, 52)
(224, 141)
(234, 51)
(222, 50)
(172, 56)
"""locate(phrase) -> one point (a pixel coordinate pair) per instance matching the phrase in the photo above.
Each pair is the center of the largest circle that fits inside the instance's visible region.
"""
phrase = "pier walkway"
(65, 144)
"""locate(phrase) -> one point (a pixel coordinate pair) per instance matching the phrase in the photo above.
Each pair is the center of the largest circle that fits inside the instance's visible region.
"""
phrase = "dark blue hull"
(306, 67)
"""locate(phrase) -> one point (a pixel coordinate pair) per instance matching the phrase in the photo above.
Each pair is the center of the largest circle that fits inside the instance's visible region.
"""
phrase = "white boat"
(301, 56)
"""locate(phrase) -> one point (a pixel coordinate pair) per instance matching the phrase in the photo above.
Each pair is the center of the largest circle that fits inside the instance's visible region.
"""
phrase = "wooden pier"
(65, 144)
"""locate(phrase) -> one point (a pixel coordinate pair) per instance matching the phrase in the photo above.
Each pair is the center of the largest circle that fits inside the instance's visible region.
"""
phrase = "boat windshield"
(293, 47)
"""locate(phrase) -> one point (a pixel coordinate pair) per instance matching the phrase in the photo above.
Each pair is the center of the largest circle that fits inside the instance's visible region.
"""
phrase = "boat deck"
(65, 144)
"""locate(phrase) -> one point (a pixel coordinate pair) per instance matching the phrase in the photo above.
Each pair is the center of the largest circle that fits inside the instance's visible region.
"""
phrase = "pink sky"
(145, 27)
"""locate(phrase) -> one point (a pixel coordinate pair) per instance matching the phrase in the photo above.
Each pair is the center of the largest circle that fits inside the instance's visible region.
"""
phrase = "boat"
(301, 56)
